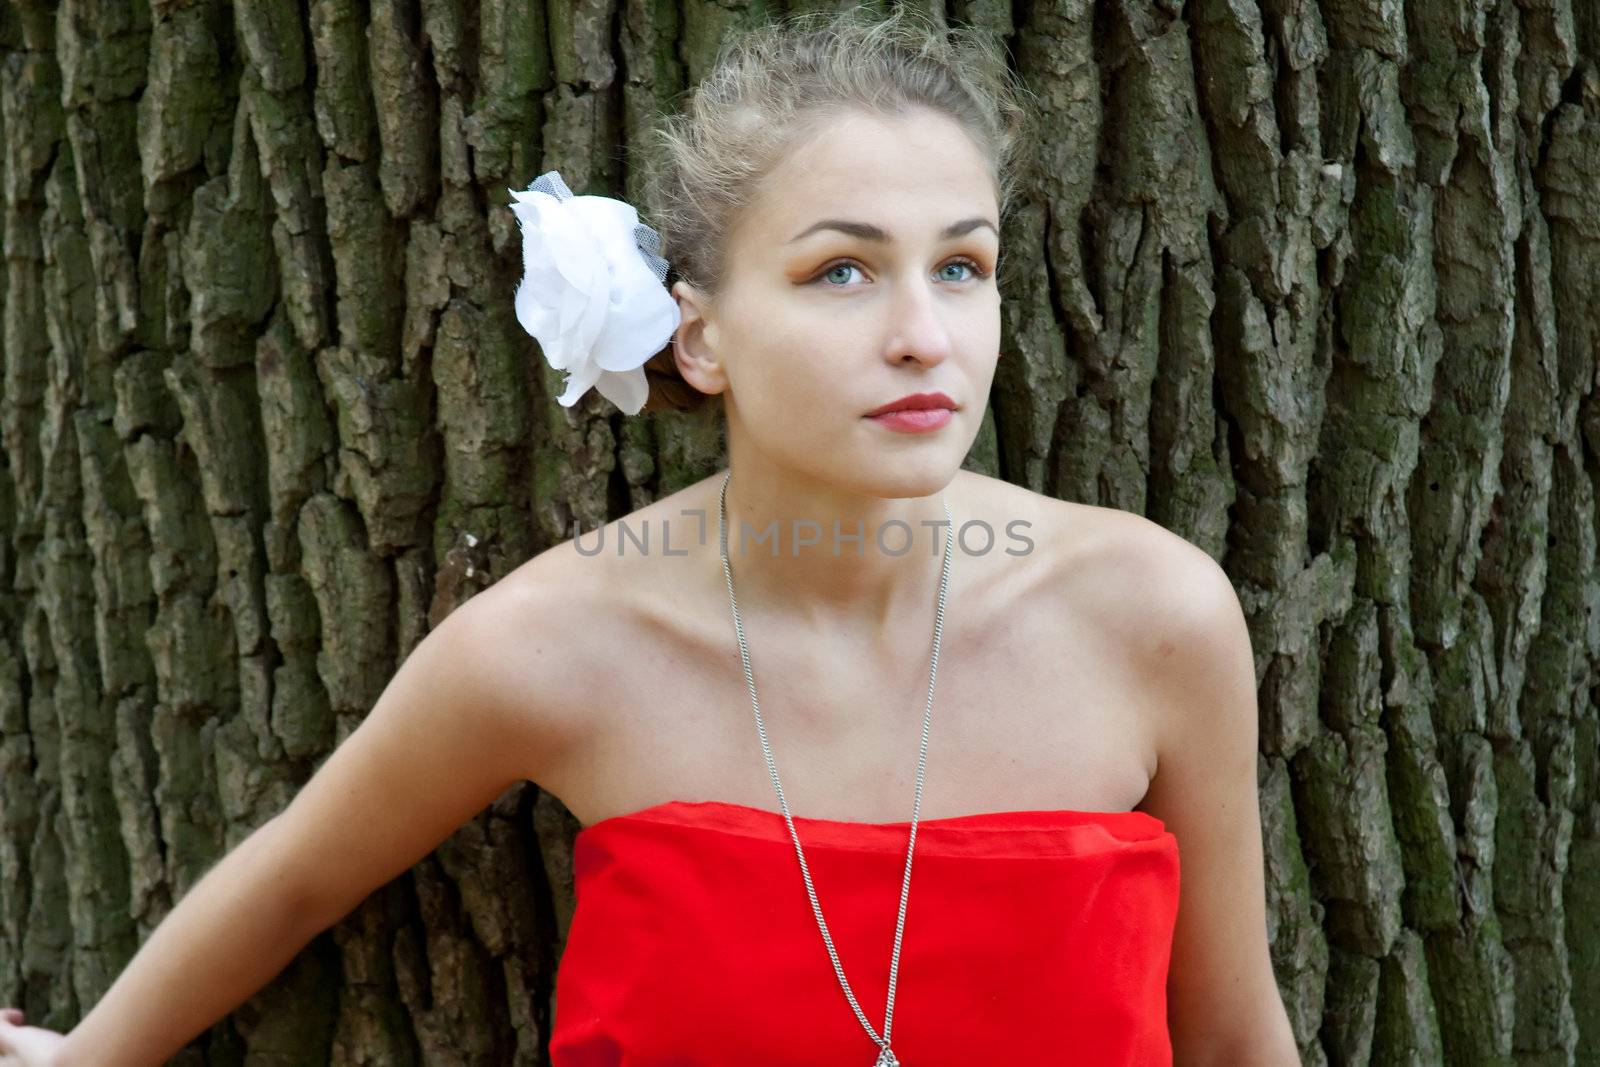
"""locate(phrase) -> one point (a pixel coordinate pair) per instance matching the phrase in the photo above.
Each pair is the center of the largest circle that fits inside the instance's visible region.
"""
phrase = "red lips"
(915, 402)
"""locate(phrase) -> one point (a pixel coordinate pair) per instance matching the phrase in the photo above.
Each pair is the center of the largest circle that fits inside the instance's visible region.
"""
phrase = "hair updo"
(772, 86)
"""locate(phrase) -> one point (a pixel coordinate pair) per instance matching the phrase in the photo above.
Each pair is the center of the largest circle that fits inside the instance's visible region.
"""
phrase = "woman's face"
(818, 325)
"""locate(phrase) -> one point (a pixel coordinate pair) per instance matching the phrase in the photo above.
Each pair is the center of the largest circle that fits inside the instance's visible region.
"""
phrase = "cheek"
(800, 383)
(796, 371)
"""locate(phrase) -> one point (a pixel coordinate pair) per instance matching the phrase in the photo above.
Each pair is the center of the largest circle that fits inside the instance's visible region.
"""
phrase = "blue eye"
(978, 273)
(839, 266)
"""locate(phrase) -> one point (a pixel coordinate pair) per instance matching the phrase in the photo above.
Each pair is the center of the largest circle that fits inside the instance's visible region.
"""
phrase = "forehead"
(909, 174)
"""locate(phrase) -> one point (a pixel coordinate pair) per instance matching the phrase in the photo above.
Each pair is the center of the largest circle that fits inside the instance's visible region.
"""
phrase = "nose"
(918, 332)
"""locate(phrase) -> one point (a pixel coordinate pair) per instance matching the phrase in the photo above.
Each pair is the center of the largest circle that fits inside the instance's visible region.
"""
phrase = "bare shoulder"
(1170, 607)
(1116, 561)
(567, 631)
(1156, 587)
(512, 648)
(1165, 606)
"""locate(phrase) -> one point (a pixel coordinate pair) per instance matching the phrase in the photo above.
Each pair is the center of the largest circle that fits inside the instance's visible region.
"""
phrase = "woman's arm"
(440, 744)
(1223, 1004)
(235, 929)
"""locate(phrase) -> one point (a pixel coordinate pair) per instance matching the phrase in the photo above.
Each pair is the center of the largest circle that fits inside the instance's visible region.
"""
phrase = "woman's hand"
(27, 1046)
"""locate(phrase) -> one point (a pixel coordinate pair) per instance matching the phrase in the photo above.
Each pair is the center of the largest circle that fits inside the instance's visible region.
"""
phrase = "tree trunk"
(1313, 283)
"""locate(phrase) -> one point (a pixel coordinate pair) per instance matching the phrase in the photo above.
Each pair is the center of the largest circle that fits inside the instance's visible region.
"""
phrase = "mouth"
(915, 402)
(915, 414)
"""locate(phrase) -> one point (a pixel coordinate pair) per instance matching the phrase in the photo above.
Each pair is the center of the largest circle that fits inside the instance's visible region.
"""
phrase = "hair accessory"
(593, 290)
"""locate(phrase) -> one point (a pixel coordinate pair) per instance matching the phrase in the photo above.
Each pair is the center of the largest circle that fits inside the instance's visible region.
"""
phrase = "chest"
(1032, 709)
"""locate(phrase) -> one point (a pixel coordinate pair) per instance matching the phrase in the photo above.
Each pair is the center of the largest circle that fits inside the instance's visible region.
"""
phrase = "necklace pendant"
(886, 1059)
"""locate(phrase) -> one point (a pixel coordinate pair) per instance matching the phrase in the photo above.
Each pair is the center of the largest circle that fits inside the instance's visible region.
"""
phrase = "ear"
(694, 344)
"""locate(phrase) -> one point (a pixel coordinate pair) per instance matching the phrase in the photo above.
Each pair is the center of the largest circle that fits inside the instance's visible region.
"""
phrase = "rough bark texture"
(1314, 283)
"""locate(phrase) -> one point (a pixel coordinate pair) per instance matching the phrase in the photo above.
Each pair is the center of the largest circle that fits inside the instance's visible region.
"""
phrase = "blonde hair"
(771, 88)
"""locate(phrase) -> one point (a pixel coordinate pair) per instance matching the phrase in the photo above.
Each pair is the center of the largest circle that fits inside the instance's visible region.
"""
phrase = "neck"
(824, 555)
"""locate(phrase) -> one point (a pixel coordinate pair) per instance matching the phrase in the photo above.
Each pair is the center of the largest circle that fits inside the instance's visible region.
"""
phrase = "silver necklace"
(886, 1056)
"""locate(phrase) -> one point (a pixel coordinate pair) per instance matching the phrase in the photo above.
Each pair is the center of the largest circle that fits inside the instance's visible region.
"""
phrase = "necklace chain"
(887, 1056)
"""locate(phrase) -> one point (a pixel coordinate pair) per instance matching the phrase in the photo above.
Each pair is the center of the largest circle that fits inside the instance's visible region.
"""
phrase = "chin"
(904, 476)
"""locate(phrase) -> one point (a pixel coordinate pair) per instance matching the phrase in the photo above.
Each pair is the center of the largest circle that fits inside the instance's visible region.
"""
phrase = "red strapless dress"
(1030, 937)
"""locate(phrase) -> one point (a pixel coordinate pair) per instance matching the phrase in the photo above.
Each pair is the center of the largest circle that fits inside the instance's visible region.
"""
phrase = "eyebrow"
(868, 232)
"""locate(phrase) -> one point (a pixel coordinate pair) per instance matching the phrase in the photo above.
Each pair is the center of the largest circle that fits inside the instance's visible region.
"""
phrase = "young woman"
(1044, 713)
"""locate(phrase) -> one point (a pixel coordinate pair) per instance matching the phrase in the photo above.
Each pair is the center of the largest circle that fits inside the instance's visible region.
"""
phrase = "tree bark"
(1312, 283)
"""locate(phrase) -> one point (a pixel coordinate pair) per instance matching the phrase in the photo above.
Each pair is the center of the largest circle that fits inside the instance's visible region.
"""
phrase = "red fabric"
(1030, 937)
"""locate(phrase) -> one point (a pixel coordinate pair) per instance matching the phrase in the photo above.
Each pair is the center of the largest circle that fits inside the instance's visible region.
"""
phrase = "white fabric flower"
(591, 295)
